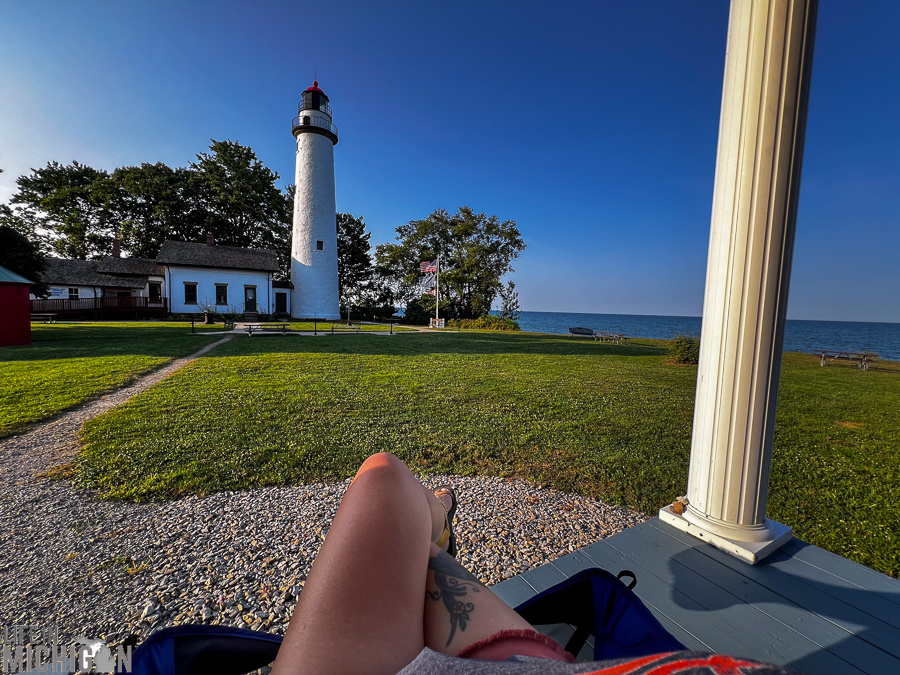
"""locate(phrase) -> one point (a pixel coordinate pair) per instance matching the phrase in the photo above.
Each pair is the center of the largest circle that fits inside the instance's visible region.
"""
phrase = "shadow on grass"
(436, 343)
(64, 332)
(62, 341)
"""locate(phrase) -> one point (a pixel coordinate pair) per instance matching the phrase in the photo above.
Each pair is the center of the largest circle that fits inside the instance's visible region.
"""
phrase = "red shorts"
(525, 642)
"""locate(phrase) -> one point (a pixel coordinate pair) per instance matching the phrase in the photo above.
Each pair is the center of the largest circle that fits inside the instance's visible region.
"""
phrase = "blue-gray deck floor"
(802, 606)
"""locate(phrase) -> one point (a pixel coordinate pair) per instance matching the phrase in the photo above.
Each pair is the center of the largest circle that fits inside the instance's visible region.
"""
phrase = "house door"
(281, 303)
(249, 298)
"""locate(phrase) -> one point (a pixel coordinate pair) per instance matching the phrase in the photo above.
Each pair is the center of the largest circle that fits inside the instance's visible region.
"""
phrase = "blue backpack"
(599, 604)
(594, 601)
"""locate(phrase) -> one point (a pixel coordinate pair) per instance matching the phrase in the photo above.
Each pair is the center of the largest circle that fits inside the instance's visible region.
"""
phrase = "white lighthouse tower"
(314, 269)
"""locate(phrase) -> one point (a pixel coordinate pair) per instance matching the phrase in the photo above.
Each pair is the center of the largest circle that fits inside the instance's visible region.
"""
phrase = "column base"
(748, 551)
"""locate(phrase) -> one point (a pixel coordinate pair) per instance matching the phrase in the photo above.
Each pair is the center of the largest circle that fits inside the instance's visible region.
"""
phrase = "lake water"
(799, 336)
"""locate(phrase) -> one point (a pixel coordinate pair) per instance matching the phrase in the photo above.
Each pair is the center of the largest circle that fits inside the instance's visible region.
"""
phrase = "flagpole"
(437, 289)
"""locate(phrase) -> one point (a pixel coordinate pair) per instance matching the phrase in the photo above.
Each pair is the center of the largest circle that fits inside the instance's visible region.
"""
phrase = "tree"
(27, 222)
(245, 207)
(509, 302)
(19, 255)
(476, 250)
(71, 199)
(152, 203)
(227, 191)
(354, 260)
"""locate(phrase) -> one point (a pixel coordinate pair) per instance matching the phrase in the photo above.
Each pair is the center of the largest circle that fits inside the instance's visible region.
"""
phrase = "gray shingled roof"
(202, 255)
(62, 272)
(141, 266)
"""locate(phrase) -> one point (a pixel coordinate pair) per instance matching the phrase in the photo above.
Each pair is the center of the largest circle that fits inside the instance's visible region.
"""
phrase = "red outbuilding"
(15, 309)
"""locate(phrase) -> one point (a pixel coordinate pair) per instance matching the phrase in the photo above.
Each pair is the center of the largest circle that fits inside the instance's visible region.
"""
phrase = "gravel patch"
(112, 569)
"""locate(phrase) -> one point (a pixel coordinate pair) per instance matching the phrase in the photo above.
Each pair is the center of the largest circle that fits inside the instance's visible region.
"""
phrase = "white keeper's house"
(185, 278)
(193, 278)
(228, 279)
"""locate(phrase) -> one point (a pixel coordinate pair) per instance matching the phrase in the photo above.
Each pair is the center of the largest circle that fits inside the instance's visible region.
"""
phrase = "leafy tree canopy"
(354, 260)
(244, 205)
(227, 191)
(476, 250)
(152, 203)
(19, 255)
(71, 199)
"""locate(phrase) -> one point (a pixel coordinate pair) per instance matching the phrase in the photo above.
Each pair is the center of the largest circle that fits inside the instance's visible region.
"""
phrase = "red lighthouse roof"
(315, 87)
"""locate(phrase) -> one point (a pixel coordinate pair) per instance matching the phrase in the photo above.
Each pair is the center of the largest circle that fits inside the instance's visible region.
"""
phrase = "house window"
(221, 294)
(190, 294)
(320, 245)
(155, 292)
(73, 294)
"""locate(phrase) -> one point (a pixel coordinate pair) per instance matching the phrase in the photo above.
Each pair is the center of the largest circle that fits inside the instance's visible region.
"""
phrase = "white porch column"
(761, 130)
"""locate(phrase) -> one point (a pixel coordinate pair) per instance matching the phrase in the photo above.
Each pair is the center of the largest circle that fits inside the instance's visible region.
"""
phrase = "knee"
(384, 465)
(382, 460)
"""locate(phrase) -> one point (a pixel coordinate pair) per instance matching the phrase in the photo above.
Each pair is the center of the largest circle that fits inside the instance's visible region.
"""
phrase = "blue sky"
(593, 125)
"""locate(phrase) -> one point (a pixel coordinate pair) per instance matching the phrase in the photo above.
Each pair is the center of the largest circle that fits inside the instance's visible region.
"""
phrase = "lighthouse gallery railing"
(310, 121)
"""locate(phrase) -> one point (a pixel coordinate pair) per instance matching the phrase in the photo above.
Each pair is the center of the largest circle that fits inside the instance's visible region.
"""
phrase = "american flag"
(431, 291)
(428, 267)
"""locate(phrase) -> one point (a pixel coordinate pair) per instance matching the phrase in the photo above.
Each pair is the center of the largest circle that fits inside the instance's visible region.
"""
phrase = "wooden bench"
(618, 338)
(44, 318)
(584, 332)
(268, 328)
(861, 359)
(345, 327)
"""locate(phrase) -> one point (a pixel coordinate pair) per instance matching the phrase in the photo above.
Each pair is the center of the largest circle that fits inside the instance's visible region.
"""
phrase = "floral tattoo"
(453, 581)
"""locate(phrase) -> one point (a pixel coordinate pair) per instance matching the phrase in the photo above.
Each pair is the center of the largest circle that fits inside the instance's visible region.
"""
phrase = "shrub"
(685, 348)
(416, 314)
(485, 323)
(370, 313)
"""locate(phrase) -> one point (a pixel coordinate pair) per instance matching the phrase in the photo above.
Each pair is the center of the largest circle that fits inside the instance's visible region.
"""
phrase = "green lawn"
(69, 363)
(609, 421)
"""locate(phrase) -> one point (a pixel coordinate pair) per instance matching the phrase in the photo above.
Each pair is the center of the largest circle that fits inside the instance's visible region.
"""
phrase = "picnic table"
(390, 320)
(862, 359)
(618, 338)
(44, 318)
(260, 328)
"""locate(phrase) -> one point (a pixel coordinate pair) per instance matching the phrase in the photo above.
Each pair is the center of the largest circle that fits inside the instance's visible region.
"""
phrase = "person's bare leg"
(459, 609)
(361, 609)
(361, 606)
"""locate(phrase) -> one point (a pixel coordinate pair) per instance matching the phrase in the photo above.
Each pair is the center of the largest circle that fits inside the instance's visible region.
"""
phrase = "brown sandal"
(448, 535)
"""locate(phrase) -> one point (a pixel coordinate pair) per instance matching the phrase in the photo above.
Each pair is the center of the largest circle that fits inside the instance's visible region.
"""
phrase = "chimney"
(117, 251)
(209, 239)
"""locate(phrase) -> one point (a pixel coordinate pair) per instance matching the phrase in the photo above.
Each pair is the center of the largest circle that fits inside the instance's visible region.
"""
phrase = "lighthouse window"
(320, 245)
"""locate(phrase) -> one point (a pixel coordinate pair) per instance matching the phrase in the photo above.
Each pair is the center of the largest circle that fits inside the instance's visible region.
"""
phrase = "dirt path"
(48, 444)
